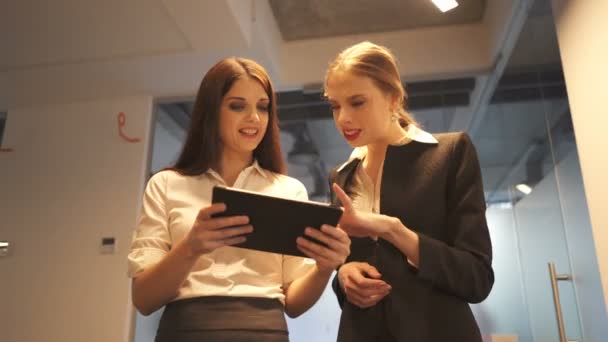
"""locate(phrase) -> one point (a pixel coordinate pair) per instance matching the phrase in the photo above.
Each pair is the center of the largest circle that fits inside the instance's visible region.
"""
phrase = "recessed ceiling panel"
(299, 19)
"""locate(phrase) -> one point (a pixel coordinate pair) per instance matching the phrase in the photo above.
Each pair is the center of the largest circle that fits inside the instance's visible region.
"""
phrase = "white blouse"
(170, 205)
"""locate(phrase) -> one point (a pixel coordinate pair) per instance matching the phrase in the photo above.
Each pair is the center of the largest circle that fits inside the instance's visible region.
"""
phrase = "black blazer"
(435, 190)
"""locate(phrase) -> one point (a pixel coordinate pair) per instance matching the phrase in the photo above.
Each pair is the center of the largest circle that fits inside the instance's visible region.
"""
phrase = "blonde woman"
(414, 208)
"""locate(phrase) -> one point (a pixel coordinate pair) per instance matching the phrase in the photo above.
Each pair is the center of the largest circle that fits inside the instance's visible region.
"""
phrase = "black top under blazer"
(435, 190)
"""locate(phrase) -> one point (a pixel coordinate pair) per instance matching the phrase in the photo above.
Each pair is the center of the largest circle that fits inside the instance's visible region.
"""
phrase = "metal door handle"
(558, 307)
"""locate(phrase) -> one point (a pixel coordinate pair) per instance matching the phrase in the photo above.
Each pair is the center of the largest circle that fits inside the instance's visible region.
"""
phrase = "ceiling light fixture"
(445, 5)
(4, 248)
(524, 188)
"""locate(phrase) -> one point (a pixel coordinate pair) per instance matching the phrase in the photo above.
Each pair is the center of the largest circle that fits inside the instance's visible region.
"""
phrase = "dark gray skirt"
(223, 319)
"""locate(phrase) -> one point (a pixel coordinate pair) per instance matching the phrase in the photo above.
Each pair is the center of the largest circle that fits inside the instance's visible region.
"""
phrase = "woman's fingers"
(370, 271)
(355, 298)
(336, 243)
(211, 245)
(382, 290)
(365, 296)
(334, 238)
(205, 221)
(368, 286)
(226, 233)
(320, 236)
(342, 197)
(206, 213)
(209, 233)
(354, 277)
(320, 259)
(233, 241)
(326, 257)
(365, 302)
(314, 248)
(350, 220)
(336, 233)
(208, 240)
(225, 222)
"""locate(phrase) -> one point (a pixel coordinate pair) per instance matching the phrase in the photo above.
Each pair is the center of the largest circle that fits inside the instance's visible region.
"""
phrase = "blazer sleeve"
(335, 285)
(462, 265)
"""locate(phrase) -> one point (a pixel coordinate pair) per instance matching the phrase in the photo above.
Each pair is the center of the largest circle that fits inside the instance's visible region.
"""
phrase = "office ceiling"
(77, 51)
(328, 18)
(528, 102)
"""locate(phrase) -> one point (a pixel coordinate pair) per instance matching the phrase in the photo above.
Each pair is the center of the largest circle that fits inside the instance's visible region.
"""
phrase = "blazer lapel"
(342, 177)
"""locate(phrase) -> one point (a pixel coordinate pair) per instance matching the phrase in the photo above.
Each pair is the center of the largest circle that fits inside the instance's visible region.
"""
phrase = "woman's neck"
(231, 164)
(376, 152)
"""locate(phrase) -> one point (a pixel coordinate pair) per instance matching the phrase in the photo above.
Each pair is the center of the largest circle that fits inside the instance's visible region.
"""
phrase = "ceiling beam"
(310, 105)
(423, 54)
(470, 119)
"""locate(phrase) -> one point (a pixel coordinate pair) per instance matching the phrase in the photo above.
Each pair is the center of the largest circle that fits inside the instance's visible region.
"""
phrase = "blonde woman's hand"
(357, 223)
(208, 234)
(362, 285)
(330, 256)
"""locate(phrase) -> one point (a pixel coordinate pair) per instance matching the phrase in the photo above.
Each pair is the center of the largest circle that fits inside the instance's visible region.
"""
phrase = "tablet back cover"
(276, 222)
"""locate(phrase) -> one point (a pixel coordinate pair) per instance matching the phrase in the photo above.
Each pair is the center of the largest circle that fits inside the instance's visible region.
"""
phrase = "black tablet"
(277, 222)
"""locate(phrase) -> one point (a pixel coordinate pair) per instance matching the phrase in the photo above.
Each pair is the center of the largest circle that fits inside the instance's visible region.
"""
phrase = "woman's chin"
(356, 143)
(249, 145)
(249, 148)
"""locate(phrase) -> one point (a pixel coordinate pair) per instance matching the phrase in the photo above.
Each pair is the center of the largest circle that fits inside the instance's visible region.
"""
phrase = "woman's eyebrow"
(353, 97)
(235, 98)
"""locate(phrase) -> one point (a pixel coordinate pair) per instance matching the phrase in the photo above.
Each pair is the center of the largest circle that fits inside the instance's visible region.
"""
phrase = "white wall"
(70, 181)
(582, 30)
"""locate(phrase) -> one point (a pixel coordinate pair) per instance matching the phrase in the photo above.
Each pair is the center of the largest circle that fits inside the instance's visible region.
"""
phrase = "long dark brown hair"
(203, 148)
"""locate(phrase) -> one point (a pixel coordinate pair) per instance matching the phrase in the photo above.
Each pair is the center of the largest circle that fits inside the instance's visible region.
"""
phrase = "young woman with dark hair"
(183, 258)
